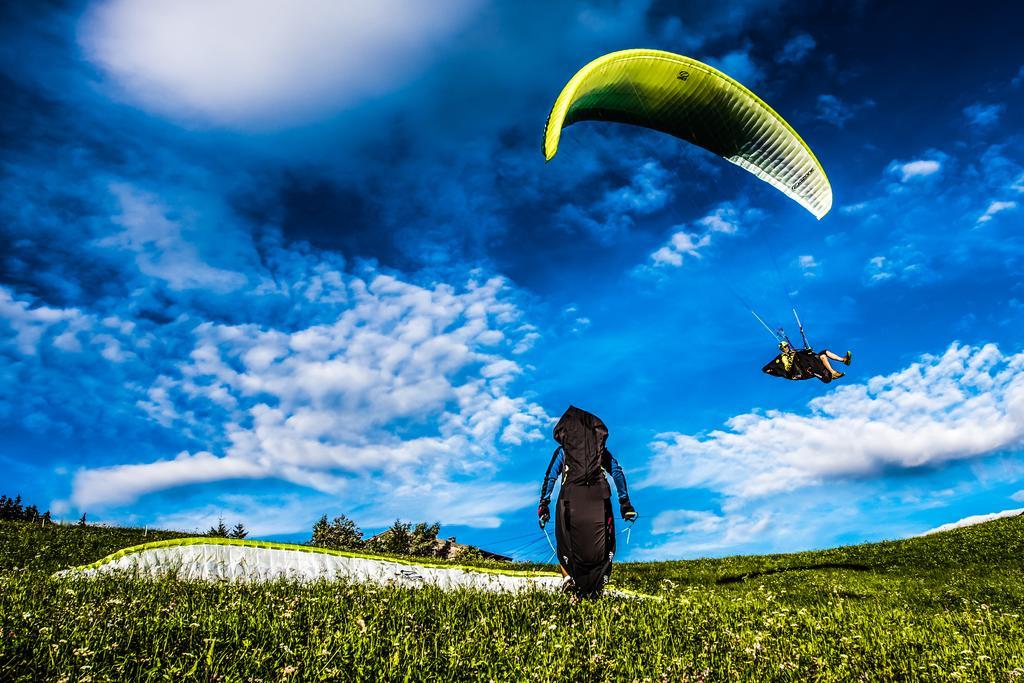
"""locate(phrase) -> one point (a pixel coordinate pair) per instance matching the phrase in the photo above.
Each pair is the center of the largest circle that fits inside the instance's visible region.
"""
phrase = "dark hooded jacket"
(577, 432)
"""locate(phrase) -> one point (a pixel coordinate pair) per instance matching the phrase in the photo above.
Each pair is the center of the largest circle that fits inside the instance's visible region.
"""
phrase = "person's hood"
(577, 428)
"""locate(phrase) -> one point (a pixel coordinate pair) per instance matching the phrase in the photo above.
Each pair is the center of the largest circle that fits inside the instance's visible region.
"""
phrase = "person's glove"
(628, 513)
(543, 514)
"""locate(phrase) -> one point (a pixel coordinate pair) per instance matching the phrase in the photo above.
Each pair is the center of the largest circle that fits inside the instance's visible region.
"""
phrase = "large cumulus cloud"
(266, 63)
(409, 384)
(965, 403)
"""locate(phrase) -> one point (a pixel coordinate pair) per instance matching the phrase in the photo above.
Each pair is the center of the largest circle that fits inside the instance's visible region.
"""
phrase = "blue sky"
(270, 264)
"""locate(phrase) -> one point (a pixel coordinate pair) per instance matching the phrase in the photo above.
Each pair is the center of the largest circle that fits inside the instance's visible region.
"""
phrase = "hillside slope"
(942, 607)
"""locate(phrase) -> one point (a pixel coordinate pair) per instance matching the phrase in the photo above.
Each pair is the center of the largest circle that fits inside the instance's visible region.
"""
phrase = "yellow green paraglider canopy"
(697, 103)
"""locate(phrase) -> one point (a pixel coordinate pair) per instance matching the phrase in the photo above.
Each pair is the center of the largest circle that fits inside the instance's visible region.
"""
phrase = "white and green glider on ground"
(224, 559)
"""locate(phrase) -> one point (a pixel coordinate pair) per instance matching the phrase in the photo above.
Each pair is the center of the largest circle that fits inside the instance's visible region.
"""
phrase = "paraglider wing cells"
(224, 559)
(697, 103)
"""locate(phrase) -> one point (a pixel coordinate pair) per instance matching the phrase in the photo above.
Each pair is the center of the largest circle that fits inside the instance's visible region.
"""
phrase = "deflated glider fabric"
(697, 103)
(221, 559)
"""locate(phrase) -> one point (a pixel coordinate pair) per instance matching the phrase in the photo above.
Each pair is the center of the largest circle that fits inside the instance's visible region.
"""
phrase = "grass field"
(943, 607)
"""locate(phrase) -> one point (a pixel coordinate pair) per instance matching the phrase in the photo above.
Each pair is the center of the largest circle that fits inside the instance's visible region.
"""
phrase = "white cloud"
(405, 393)
(796, 49)
(984, 115)
(112, 486)
(833, 110)
(680, 244)
(481, 506)
(904, 263)
(995, 208)
(1019, 496)
(724, 220)
(808, 265)
(850, 209)
(29, 324)
(912, 170)
(647, 192)
(974, 519)
(245, 63)
(686, 521)
(162, 246)
(878, 270)
(33, 328)
(266, 515)
(966, 403)
(691, 533)
(738, 65)
(836, 112)
(694, 27)
(262, 515)
(580, 324)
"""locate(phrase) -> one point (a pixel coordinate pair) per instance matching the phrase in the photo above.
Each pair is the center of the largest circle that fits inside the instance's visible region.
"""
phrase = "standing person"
(584, 525)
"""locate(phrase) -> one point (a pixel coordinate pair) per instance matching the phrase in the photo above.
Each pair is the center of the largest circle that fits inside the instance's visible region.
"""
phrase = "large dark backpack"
(582, 437)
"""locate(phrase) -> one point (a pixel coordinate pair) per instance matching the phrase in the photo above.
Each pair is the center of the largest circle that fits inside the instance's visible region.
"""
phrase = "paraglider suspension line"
(807, 344)
(779, 336)
(775, 335)
(550, 544)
